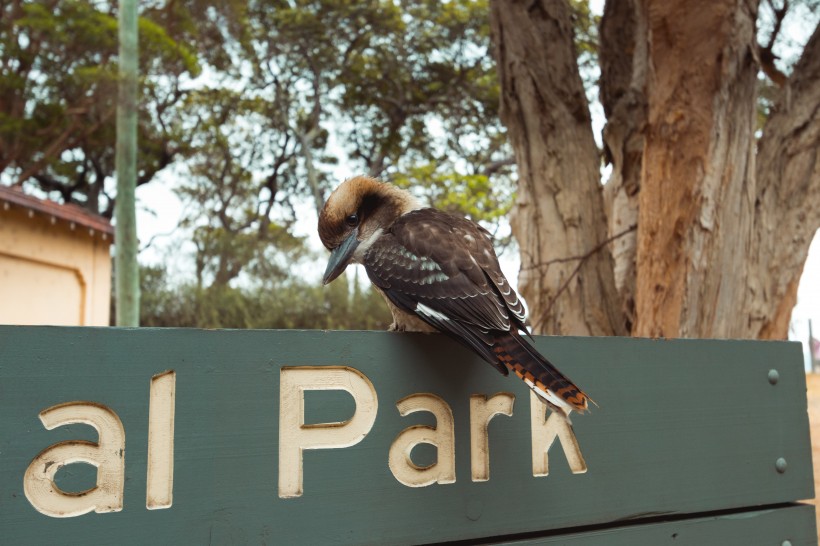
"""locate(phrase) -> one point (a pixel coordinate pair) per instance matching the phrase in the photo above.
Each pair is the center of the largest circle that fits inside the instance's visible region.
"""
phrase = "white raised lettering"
(442, 436)
(295, 436)
(482, 410)
(159, 492)
(544, 432)
(108, 455)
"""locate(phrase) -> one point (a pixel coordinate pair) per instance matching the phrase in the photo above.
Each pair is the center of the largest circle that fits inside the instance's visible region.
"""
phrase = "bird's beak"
(340, 257)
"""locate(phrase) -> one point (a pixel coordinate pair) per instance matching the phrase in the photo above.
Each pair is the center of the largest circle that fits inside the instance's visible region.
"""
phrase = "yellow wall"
(50, 274)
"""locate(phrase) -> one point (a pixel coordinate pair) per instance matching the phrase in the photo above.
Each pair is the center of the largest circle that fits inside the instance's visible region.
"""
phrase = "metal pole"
(125, 258)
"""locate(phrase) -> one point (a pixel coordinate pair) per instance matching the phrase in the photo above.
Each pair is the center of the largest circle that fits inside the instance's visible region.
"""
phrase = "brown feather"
(442, 269)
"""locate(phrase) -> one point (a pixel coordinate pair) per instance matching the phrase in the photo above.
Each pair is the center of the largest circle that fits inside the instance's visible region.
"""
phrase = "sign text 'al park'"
(295, 436)
(185, 436)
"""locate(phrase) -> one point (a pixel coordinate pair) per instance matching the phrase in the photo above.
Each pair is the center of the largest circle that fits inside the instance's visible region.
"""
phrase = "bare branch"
(581, 261)
(155, 237)
(495, 166)
(766, 55)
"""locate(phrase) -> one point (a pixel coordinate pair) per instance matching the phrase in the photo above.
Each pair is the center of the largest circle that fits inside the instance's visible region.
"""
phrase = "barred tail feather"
(542, 377)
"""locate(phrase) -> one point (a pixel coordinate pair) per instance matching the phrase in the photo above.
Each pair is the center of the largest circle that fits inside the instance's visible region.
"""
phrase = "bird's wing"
(443, 268)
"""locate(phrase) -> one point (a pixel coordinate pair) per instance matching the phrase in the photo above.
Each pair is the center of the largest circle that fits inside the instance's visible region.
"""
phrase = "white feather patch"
(432, 313)
(550, 397)
(364, 246)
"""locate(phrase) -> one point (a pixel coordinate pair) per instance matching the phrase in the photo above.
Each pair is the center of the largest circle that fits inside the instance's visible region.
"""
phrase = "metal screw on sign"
(774, 377)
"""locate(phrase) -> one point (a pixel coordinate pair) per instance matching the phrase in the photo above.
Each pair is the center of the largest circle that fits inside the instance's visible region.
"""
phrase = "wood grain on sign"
(686, 432)
(747, 528)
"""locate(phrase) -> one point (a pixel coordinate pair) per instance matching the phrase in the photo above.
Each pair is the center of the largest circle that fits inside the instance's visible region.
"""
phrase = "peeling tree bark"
(558, 215)
(696, 199)
(787, 199)
(724, 221)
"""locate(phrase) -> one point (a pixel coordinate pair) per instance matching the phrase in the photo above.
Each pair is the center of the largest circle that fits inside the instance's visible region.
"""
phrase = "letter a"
(108, 455)
(442, 436)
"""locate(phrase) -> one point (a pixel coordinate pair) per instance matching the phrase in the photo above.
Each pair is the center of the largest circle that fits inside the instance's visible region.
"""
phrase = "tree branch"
(787, 201)
(766, 55)
(581, 260)
(495, 166)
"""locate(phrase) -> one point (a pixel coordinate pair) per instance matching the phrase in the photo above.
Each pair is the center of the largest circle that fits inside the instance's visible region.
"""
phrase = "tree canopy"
(58, 98)
(254, 110)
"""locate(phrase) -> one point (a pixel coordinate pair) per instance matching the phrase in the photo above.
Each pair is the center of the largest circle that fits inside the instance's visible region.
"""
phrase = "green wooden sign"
(313, 437)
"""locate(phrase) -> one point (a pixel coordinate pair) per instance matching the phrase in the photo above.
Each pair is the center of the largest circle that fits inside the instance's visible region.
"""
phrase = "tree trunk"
(709, 228)
(558, 217)
(624, 64)
(697, 197)
(787, 199)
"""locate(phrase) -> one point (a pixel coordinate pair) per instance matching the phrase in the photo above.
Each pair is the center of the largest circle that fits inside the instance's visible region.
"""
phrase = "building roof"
(13, 196)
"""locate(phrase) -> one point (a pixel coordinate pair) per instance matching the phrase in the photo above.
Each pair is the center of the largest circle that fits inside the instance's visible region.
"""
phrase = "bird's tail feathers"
(539, 373)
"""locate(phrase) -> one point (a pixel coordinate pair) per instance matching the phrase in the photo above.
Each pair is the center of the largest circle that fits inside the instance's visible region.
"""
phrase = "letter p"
(295, 436)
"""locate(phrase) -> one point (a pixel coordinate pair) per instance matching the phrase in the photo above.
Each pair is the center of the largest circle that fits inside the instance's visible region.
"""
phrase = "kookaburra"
(438, 272)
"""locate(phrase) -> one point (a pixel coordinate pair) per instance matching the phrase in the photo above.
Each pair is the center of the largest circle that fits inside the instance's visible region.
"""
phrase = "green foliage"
(422, 87)
(409, 88)
(406, 91)
(585, 24)
(58, 87)
(471, 195)
(291, 303)
(240, 172)
(161, 52)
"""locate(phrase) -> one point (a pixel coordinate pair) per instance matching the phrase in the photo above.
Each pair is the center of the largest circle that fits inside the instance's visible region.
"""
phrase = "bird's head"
(354, 216)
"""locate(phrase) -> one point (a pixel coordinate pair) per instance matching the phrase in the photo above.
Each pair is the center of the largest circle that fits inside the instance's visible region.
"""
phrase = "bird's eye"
(352, 220)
